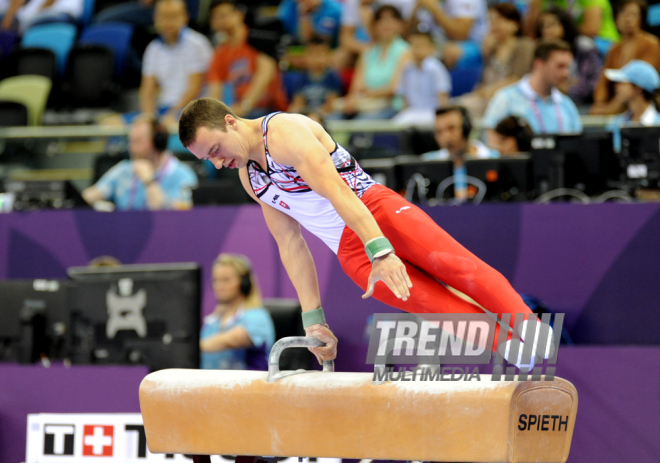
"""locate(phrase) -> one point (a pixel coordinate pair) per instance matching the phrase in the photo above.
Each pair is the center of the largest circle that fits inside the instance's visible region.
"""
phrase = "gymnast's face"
(223, 149)
(226, 283)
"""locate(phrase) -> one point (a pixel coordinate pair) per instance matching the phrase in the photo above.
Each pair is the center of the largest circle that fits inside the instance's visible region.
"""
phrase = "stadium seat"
(653, 19)
(653, 15)
(57, 37)
(36, 61)
(90, 83)
(114, 35)
(32, 91)
(13, 114)
(88, 12)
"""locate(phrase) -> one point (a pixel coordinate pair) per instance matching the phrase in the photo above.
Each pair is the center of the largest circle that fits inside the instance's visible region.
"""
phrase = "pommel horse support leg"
(345, 415)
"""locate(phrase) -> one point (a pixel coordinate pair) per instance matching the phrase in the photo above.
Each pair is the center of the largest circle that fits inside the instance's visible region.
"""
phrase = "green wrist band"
(378, 247)
(313, 317)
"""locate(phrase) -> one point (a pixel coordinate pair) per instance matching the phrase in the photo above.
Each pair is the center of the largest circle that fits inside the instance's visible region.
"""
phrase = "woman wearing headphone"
(239, 333)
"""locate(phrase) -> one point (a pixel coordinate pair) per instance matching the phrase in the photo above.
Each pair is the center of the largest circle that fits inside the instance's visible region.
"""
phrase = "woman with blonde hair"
(239, 333)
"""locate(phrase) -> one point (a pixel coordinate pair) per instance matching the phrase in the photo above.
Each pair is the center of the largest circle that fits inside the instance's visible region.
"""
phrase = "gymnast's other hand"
(323, 333)
(390, 270)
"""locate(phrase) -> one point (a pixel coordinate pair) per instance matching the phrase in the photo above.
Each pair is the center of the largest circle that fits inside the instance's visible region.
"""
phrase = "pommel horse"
(346, 415)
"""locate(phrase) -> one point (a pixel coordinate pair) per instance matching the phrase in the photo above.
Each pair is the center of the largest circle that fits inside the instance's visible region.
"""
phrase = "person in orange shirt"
(253, 75)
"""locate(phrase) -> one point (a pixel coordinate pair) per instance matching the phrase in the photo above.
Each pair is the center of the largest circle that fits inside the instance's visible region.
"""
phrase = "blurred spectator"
(637, 86)
(151, 179)
(536, 98)
(8, 10)
(305, 18)
(175, 63)
(239, 334)
(139, 13)
(507, 56)
(357, 25)
(320, 85)
(379, 69)
(635, 44)
(425, 83)
(464, 23)
(26, 13)
(104, 261)
(555, 24)
(452, 132)
(251, 75)
(594, 19)
(511, 135)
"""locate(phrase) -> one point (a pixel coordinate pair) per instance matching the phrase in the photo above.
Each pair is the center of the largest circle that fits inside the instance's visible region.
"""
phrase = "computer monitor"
(220, 192)
(384, 171)
(33, 319)
(33, 195)
(433, 172)
(506, 178)
(640, 154)
(586, 162)
(136, 314)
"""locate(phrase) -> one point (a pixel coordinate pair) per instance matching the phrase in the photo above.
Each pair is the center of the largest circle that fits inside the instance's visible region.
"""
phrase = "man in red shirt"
(253, 75)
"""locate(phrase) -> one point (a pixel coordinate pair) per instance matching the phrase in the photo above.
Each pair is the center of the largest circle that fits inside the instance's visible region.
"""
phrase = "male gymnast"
(300, 176)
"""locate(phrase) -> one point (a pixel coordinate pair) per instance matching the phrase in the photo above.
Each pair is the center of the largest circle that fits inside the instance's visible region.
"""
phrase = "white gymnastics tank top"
(282, 188)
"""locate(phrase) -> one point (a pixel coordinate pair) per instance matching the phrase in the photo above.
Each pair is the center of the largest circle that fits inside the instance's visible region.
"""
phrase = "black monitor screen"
(506, 178)
(34, 309)
(433, 172)
(640, 151)
(586, 162)
(136, 314)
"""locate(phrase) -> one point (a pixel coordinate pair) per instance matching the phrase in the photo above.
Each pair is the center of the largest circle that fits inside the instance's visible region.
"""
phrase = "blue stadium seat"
(88, 12)
(58, 37)
(653, 15)
(114, 35)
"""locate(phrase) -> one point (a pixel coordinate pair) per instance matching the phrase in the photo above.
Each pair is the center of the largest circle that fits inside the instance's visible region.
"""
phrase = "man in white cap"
(637, 85)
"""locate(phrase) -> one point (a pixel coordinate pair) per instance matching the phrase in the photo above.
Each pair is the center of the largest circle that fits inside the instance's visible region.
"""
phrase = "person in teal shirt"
(239, 334)
(373, 89)
(637, 85)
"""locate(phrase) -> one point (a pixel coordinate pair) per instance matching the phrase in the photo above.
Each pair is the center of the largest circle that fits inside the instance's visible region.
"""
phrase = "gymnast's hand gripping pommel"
(316, 327)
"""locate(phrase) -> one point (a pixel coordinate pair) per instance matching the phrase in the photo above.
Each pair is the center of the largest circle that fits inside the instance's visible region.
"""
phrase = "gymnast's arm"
(299, 265)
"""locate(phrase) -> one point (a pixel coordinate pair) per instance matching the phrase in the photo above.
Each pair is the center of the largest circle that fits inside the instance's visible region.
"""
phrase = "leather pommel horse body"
(345, 415)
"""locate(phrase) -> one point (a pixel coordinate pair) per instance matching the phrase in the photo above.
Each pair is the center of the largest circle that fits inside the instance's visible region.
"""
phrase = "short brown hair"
(203, 112)
(546, 47)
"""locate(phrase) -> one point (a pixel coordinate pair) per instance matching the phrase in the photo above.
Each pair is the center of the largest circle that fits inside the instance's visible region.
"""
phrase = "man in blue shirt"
(151, 179)
(305, 18)
(536, 98)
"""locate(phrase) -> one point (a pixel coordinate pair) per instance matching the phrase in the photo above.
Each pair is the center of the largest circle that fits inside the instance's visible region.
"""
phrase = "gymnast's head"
(210, 130)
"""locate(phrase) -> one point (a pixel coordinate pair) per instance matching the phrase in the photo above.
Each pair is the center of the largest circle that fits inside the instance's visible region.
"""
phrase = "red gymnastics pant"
(429, 254)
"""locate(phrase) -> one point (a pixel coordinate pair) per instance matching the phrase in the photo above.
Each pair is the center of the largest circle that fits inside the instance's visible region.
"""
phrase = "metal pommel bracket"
(274, 372)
